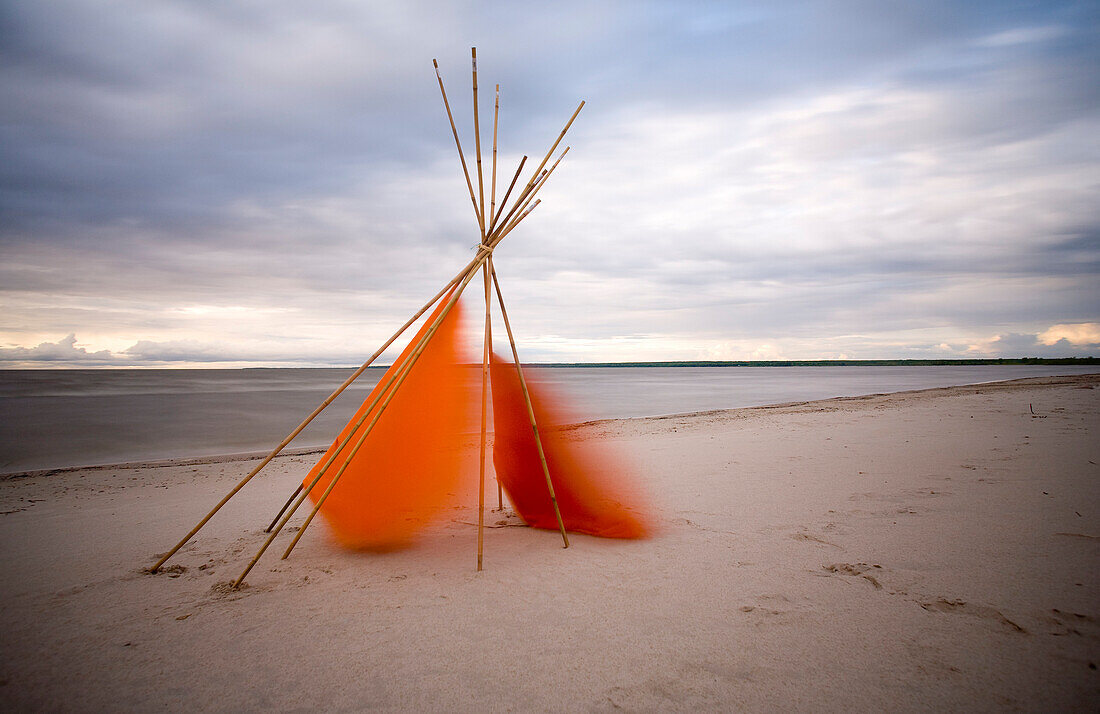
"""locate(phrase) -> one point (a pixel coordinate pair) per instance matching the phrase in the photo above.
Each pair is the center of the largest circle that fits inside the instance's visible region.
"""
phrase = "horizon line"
(885, 362)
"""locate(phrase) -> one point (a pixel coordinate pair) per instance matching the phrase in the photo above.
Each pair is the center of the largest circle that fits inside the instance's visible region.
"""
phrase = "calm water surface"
(57, 418)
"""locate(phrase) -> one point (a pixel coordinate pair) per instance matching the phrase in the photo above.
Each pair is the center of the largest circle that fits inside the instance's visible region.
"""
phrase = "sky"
(226, 184)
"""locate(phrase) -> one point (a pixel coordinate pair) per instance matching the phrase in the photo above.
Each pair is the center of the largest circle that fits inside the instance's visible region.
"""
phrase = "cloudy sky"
(275, 183)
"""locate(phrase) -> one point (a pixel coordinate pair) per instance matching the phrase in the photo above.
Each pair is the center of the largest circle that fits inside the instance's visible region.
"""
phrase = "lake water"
(58, 418)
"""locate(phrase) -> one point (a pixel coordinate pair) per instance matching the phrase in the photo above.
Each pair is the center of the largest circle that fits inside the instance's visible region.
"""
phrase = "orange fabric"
(409, 468)
(596, 493)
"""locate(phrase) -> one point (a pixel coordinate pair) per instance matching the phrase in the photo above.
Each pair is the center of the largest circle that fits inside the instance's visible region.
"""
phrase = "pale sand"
(927, 550)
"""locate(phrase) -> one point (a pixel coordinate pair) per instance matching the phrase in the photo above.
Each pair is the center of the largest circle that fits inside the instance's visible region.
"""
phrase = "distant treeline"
(834, 362)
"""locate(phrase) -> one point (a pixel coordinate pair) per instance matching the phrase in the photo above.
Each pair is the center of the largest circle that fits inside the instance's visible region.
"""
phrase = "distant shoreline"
(835, 363)
(1064, 361)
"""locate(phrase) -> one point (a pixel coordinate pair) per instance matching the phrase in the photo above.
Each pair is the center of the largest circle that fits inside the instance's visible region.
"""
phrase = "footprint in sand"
(769, 605)
(926, 491)
(860, 570)
(814, 539)
(984, 612)
(172, 571)
(1071, 623)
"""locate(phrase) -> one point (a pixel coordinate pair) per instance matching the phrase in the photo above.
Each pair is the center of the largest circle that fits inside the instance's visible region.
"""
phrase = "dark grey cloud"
(174, 110)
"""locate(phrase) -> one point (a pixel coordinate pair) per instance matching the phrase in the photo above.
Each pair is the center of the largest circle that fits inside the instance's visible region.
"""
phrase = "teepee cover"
(397, 463)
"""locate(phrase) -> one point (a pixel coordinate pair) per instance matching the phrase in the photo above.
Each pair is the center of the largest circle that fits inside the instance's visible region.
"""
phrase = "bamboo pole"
(515, 221)
(493, 183)
(283, 510)
(526, 195)
(539, 177)
(532, 189)
(516, 204)
(560, 137)
(305, 422)
(488, 263)
(477, 145)
(546, 174)
(389, 389)
(485, 267)
(504, 201)
(461, 156)
(535, 177)
(494, 240)
(486, 347)
(405, 373)
(530, 411)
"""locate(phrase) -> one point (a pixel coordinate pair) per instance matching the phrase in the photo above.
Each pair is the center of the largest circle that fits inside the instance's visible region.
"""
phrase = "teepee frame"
(493, 228)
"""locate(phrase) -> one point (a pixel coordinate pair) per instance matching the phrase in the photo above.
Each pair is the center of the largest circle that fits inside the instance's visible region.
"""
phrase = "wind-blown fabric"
(409, 467)
(596, 492)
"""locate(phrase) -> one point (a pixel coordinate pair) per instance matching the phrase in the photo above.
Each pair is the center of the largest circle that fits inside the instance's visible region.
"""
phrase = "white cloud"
(64, 351)
(1085, 333)
(1054, 342)
(1021, 36)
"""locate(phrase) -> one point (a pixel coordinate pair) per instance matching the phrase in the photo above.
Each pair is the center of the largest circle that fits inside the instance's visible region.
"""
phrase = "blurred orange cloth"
(596, 492)
(409, 468)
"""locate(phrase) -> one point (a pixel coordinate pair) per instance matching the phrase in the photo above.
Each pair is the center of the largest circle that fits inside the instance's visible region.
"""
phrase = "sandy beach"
(915, 551)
